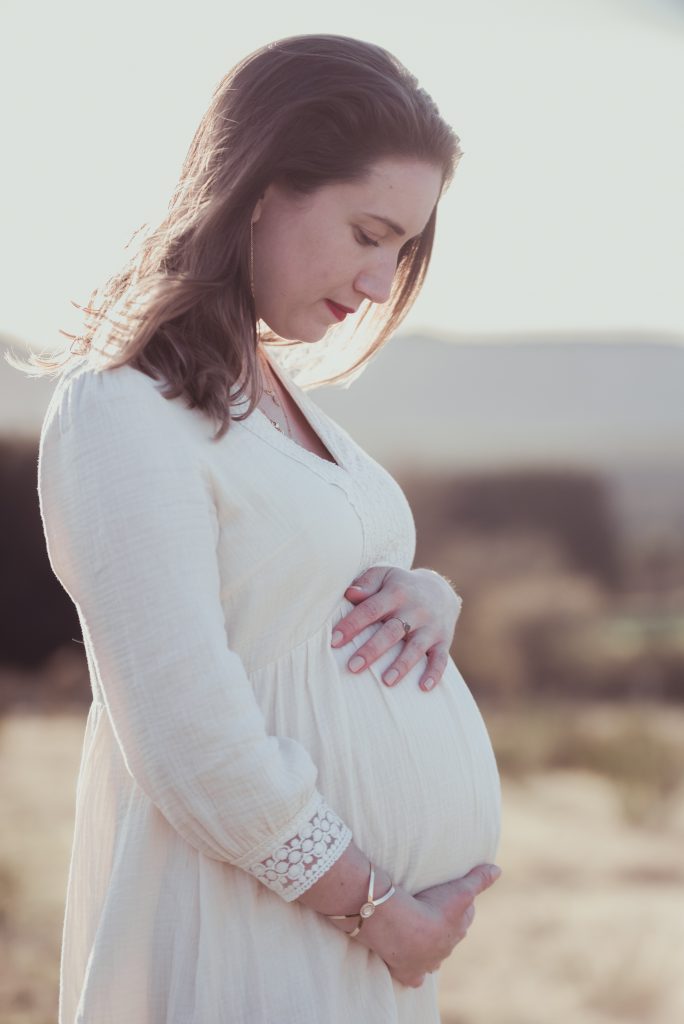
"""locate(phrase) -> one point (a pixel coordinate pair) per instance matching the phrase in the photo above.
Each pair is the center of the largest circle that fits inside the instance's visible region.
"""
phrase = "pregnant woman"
(267, 829)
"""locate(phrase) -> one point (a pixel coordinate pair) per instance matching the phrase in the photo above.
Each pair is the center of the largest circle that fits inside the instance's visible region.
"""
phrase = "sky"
(566, 212)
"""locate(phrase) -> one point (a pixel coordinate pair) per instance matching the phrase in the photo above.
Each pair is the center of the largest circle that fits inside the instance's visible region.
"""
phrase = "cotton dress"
(229, 754)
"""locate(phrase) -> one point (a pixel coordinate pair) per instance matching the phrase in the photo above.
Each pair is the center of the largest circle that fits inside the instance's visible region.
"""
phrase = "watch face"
(366, 910)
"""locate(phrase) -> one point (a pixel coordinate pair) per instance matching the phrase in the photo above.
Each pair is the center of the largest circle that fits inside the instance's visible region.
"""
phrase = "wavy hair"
(304, 111)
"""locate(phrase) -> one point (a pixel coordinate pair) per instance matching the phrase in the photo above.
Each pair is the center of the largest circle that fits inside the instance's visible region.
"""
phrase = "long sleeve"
(131, 530)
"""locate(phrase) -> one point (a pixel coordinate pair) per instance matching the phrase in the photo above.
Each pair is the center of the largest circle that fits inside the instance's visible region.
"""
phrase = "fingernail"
(356, 586)
(391, 676)
(337, 637)
(495, 870)
(356, 662)
(429, 683)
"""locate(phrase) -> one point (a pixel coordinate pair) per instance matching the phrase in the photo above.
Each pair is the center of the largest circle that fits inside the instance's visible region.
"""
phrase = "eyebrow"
(396, 228)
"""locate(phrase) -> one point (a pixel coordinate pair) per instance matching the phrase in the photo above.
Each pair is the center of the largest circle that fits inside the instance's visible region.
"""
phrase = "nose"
(375, 283)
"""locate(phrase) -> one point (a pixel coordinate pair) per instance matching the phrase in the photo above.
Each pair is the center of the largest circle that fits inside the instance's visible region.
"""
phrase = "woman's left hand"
(420, 597)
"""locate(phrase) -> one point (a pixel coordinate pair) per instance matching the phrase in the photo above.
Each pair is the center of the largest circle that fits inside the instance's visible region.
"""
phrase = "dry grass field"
(585, 926)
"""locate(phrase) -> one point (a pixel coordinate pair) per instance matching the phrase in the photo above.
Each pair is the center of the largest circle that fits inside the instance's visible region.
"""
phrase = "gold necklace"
(272, 395)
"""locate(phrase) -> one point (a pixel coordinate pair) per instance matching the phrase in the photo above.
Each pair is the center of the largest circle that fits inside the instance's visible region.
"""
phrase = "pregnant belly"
(413, 774)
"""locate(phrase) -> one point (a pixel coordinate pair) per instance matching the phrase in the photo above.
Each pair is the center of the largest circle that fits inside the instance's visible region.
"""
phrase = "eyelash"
(365, 240)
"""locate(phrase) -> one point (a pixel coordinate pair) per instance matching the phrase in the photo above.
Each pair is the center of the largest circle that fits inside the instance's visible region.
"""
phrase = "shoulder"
(116, 424)
(85, 397)
(112, 432)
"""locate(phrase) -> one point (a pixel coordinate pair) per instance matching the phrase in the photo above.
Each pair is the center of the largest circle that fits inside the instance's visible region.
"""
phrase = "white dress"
(229, 754)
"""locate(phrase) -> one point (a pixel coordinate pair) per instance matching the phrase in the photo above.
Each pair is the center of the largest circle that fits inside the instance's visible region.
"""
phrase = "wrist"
(383, 930)
(374, 899)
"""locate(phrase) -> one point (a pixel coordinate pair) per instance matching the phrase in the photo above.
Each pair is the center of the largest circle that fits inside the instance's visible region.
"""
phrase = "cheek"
(304, 266)
(332, 264)
(307, 266)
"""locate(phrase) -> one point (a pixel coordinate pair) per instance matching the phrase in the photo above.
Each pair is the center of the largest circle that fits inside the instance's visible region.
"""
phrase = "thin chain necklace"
(273, 396)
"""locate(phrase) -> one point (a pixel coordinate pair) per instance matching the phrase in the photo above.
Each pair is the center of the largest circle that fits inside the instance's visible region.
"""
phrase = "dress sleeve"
(131, 531)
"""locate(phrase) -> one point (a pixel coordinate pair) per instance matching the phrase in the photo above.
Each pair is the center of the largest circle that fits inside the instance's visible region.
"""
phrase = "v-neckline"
(287, 443)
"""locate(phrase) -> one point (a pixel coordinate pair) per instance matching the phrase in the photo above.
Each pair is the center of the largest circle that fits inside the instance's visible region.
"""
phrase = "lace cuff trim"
(304, 858)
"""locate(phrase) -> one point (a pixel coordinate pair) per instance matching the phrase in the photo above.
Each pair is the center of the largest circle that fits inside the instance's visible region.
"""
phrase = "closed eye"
(365, 240)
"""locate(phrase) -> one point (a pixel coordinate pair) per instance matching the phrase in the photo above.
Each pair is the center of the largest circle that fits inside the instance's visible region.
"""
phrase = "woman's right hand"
(423, 929)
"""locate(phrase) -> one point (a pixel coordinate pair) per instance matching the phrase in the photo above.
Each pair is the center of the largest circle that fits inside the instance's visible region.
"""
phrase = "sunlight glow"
(566, 211)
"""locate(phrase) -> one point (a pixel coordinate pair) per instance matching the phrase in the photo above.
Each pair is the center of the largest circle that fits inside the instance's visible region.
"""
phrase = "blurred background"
(531, 406)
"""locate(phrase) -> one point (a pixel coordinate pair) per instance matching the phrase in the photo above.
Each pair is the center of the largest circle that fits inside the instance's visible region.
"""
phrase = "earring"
(251, 256)
(251, 274)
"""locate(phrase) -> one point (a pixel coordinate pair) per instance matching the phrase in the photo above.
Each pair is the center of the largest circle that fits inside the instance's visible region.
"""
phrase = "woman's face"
(334, 246)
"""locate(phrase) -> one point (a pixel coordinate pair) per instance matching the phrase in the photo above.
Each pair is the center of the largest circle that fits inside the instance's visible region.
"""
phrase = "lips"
(339, 311)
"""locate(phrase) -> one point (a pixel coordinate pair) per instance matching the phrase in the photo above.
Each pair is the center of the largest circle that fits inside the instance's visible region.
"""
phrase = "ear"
(257, 211)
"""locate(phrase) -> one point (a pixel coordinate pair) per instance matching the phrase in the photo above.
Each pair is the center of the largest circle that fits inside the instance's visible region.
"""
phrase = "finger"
(370, 610)
(412, 652)
(369, 582)
(438, 657)
(385, 637)
(482, 877)
(464, 890)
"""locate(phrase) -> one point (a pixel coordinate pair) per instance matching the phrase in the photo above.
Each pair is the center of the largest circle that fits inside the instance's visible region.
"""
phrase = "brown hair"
(305, 111)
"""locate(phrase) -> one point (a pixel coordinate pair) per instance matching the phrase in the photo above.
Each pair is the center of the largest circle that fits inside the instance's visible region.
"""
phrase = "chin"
(307, 334)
